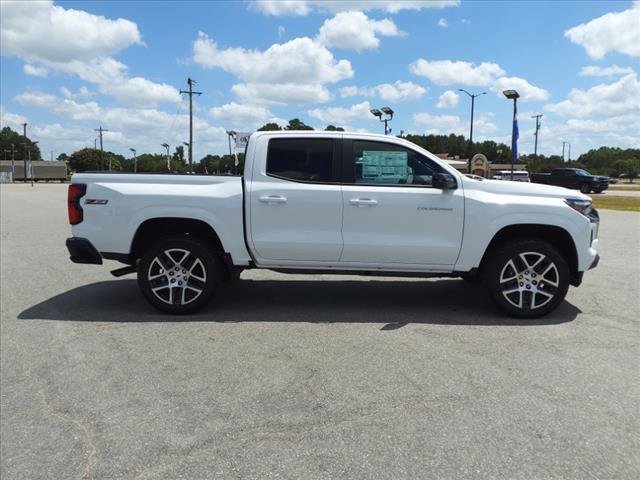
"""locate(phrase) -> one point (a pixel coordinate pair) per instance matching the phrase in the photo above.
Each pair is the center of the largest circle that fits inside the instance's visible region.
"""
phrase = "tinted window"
(301, 159)
(377, 163)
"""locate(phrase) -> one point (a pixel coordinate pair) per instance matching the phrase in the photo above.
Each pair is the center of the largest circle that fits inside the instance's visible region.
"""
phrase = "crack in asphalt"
(78, 422)
(207, 449)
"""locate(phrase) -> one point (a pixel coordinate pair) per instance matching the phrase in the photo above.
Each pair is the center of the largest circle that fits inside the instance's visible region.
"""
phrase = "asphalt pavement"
(314, 376)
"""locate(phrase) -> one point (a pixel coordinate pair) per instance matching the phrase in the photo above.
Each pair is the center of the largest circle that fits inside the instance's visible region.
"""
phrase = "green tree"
(297, 124)
(63, 157)
(270, 127)
(90, 159)
(332, 128)
(9, 137)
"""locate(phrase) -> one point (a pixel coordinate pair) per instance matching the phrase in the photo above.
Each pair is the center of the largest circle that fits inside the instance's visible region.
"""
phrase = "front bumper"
(82, 250)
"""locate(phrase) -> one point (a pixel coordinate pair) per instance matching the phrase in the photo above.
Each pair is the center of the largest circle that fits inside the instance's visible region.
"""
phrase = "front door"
(392, 214)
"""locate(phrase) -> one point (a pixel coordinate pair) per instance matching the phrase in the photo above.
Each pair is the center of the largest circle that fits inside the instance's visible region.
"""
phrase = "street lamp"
(234, 134)
(186, 144)
(513, 95)
(135, 160)
(389, 116)
(166, 145)
(473, 99)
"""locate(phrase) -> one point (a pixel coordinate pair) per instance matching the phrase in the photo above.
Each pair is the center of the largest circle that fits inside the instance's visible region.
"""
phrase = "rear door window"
(302, 159)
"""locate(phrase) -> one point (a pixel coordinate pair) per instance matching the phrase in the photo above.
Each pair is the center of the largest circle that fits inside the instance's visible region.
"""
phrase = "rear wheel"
(179, 275)
(527, 278)
(585, 188)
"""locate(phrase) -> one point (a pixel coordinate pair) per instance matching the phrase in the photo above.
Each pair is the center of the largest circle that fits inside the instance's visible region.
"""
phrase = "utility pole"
(100, 130)
(535, 147)
(191, 93)
(569, 153)
(563, 144)
(24, 154)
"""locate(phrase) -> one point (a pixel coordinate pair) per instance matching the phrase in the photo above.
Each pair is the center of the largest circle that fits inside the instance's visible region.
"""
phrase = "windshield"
(584, 173)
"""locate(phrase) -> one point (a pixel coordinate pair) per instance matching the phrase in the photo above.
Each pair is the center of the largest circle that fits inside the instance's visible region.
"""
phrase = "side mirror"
(444, 181)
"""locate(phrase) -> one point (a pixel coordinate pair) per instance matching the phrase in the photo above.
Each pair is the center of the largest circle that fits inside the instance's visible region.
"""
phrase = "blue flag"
(516, 135)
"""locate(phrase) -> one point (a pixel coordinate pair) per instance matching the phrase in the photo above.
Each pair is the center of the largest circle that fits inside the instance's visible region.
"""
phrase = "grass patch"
(631, 188)
(629, 204)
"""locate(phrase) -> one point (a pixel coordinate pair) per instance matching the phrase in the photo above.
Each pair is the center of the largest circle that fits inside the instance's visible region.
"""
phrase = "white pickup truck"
(334, 202)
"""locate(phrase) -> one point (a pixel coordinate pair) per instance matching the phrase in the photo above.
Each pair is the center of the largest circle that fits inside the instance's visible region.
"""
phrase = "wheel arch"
(152, 229)
(558, 237)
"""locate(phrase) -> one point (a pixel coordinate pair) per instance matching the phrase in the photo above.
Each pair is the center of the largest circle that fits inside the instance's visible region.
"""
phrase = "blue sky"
(69, 67)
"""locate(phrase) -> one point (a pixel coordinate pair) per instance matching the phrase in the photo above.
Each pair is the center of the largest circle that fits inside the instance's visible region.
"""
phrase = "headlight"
(581, 206)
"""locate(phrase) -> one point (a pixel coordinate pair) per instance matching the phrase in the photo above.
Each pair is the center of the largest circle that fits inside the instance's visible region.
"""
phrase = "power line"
(535, 148)
(101, 149)
(191, 93)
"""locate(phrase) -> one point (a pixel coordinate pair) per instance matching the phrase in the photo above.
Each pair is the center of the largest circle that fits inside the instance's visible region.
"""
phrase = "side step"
(119, 272)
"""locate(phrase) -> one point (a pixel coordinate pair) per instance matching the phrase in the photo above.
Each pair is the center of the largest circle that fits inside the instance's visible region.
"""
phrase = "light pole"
(389, 116)
(135, 160)
(513, 95)
(188, 145)
(230, 134)
(563, 144)
(166, 145)
(31, 163)
(535, 146)
(473, 98)
(569, 159)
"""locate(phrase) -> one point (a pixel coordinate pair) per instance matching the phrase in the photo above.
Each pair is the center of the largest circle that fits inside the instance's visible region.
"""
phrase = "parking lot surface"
(309, 376)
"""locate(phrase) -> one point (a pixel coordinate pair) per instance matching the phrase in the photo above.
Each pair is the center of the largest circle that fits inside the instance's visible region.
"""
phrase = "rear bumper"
(82, 250)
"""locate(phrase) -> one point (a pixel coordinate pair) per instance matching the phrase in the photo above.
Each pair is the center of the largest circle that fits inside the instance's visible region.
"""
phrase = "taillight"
(76, 192)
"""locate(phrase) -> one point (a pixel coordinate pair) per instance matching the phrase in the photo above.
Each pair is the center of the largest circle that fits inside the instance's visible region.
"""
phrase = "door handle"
(273, 199)
(363, 202)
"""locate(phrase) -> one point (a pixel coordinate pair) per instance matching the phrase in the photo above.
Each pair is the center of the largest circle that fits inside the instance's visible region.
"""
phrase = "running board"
(119, 272)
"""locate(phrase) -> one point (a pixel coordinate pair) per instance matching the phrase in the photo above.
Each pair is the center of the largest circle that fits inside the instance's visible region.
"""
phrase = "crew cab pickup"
(344, 203)
(575, 178)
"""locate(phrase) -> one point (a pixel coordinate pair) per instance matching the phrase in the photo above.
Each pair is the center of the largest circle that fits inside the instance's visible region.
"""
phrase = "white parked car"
(334, 202)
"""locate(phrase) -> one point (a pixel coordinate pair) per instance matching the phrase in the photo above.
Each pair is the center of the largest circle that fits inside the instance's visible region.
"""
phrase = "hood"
(522, 188)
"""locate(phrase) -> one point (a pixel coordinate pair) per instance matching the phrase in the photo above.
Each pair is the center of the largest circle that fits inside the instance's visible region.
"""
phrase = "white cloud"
(443, 23)
(67, 107)
(613, 32)
(448, 99)
(35, 71)
(43, 31)
(354, 30)
(603, 100)
(524, 88)
(396, 92)
(301, 59)
(83, 93)
(279, 8)
(40, 32)
(281, 31)
(447, 72)
(613, 70)
(446, 124)
(341, 115)
(281, 93)
(13, 120)
(244, 115)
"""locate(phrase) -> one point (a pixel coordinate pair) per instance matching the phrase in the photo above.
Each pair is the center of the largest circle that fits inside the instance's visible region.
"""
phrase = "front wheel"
(179, 275)
(585, 188)
(527, 278)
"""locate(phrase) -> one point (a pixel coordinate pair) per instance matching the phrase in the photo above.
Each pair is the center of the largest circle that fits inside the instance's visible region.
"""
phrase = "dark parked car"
(575, 178)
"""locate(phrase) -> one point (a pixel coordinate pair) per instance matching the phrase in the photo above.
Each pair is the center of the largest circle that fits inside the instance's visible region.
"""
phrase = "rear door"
(392, 214)
(295, 201)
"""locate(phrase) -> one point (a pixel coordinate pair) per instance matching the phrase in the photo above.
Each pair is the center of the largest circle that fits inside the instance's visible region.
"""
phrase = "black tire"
(527, 278)
(585, 188)
(179, 275)
(597, 190)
